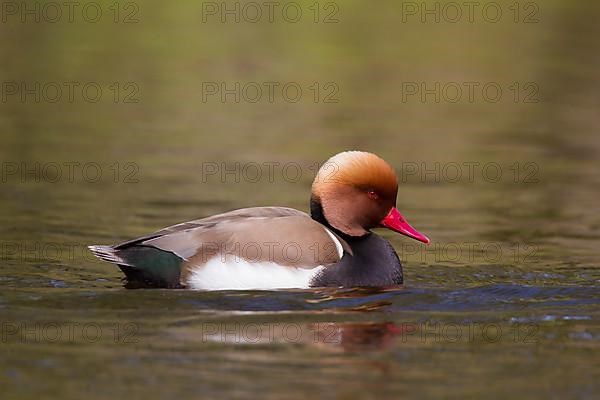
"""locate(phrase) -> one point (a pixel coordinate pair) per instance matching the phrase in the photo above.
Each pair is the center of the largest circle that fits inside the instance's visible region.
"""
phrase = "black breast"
(374, 263)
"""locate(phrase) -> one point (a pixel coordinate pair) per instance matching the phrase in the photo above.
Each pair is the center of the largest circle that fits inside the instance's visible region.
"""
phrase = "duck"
(266, 248)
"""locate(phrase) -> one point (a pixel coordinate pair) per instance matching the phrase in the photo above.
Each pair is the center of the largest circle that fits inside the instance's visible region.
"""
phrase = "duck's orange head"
(356, 191)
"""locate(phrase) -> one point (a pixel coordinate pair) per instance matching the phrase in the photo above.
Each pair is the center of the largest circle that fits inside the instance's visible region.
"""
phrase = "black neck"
(373, 262)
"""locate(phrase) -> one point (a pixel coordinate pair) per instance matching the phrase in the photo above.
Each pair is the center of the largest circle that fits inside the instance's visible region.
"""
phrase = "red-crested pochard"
(278, 247)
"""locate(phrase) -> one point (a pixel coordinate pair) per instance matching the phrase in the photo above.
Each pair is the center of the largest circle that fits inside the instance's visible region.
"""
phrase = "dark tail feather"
(144, 267)
(109, 254)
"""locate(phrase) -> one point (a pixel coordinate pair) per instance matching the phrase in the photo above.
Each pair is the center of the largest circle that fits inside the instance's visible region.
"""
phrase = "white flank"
(338, 245)
(218, 274)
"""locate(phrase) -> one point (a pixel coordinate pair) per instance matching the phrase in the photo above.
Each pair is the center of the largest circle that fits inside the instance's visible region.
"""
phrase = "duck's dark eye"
(372, 194)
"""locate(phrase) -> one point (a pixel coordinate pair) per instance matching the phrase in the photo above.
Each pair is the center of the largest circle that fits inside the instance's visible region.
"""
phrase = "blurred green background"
(163, 128)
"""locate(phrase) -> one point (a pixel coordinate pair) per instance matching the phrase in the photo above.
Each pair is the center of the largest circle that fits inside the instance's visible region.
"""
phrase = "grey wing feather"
(176, 238)
(213, 220)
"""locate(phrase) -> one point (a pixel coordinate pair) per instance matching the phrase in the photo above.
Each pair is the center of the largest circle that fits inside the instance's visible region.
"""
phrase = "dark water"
(504, 303)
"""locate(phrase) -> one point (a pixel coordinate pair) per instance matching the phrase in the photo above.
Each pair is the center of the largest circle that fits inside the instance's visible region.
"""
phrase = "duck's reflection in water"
(330, 335)
(356, 336)
(335, 336)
